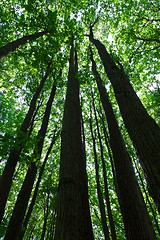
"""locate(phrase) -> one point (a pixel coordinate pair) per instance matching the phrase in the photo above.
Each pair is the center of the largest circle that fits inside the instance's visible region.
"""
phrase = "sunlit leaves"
(129, 30)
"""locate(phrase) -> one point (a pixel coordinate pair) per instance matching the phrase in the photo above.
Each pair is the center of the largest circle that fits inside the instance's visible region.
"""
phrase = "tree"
(25, 192)
(73, 219)
(30, 209)
(99, 193)
(110, 216)
(63, 203)
(143, 130)
(6, 178)
(13, 46)
(130, 195)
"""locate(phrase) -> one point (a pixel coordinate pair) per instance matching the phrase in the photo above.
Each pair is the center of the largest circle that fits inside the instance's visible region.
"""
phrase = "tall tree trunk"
(6, 178)
(142, 129)
(110, 216)
(135, 216)
(99, 193)
(13, 46)
(50, 233)
(85, 188)
(29, 212)
(33, 119)
(72, 222)
(147, 197)
(46, 213)
(19, 211)
(107, 140)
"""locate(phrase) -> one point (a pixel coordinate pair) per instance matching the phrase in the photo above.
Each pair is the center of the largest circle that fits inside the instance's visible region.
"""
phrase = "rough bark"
(142, 129)
(135, 216)
(99, 193)
(13, 46)
(110, 216)
(72, 220)
(6, 178)
(19, 211)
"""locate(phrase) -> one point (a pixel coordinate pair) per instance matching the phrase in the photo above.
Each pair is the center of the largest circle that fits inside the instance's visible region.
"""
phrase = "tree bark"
(99, 193)
(135, 216)
(142, 129)
(110, 216)
(73, 221)
(19, 211)
(6, 178)
(13, 46)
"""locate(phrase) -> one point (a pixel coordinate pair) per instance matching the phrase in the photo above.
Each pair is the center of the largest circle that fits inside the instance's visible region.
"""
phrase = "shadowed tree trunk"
(110, 217)
(135, 216)
(86, 204)
(46, 213)
(6, 178)
(147, 198)
(13, 46)
(107, 140)
(29, 212)
(50, 232)
(73, 221)
(19, 211)
(142, 129)
(99, 193)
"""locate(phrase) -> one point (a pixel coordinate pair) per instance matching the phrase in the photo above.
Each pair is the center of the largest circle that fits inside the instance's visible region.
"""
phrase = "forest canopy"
(79, 119)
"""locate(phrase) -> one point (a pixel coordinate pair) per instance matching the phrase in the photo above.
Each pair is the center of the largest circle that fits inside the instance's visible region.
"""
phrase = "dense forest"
(79, 120)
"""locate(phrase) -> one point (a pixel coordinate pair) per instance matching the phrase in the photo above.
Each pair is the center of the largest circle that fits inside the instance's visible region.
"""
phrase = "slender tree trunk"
(99, 193)
(148, 200)
(142, 129)
(29, 212)
(135, 216)
(50, 233)
(6, 178)
(45, 218)
(72, 222)
(111, 221)
(107, 140)
(85, 189)
(19, 211)
(33, 119)
(13, 46)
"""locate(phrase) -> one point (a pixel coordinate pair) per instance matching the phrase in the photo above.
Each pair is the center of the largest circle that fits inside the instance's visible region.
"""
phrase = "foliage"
(129, 30)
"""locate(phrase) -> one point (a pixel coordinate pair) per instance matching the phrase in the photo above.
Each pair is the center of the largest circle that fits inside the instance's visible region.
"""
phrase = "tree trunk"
(46, 213)
(107, 140)
(29, 212)
(135, 216)
(6, 178)
(142, 129)
(85, 188)
(110, 216)
(147, 198)
(13, 46)
(73, 221)
(99, 193)
(50, 233)
(19, 211)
